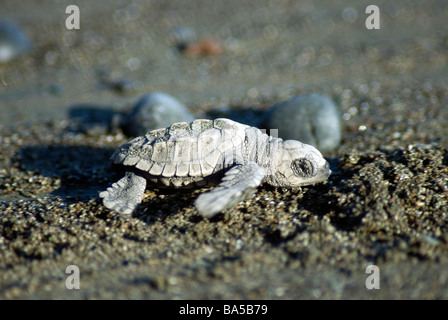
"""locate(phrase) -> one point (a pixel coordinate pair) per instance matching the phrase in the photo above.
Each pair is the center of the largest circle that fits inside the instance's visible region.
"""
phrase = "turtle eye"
(303, 168)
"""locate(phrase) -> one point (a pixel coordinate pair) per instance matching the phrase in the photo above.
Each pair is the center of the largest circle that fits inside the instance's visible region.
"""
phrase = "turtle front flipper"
(126, 194)
(237, 183)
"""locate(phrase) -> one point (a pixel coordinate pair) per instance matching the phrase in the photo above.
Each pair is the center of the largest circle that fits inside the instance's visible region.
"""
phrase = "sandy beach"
(385, 204)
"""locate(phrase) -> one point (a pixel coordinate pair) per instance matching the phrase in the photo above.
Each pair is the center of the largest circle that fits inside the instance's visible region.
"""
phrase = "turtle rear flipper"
(237, 183)
(126, 194)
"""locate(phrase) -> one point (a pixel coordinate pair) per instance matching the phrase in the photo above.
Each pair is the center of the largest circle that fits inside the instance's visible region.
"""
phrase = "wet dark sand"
(386, 202)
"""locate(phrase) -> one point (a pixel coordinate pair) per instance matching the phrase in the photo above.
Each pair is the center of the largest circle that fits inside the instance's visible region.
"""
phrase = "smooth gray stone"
(13, 41)
(154, 111)
(311, 118)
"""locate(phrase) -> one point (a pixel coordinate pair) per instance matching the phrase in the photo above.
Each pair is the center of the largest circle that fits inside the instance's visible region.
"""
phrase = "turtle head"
(299, 164)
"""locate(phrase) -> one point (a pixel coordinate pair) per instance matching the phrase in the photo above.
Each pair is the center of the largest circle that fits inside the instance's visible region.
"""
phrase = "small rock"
(183, 36)
(92, 120)
(124, 86)
(55, 89)
(154, 111)
(13, 41)
(114, 82)
(312, 118)
(203, 48)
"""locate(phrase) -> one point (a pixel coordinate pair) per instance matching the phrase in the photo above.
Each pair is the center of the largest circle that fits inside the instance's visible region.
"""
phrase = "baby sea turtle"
(205, 152)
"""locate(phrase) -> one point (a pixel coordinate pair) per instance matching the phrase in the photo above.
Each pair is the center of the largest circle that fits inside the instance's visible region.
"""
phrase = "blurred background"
(212, 53)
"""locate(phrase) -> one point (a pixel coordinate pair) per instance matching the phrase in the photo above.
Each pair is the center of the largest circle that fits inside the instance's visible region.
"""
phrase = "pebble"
(312, 118)
(183, 36)
(123, 85)
(203, 48)
(118, 84)
(154, 111)
(13, 41)
(187, 42)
